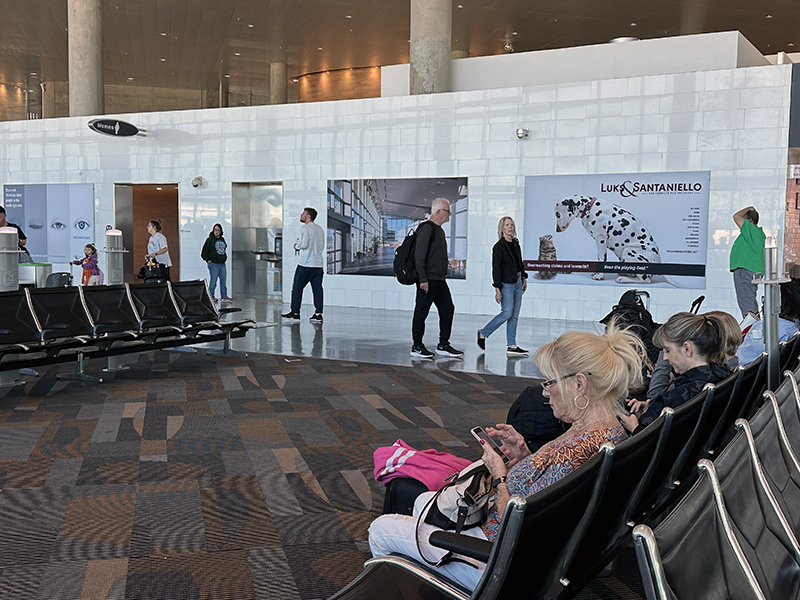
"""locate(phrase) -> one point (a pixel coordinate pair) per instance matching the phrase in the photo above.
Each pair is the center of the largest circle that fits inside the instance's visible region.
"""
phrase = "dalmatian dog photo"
(614, 229)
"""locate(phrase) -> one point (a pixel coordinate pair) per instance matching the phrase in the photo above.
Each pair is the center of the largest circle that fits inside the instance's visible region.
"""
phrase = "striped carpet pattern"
(196, 477)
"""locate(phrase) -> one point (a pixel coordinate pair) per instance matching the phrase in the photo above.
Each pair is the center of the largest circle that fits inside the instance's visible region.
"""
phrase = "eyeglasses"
(549, 382)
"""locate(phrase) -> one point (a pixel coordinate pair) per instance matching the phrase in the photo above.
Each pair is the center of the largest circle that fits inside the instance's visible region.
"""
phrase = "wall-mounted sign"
(113, 127)
(794, 171)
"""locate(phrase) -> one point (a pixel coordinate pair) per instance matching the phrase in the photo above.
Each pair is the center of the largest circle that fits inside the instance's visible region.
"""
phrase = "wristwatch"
(498, 481)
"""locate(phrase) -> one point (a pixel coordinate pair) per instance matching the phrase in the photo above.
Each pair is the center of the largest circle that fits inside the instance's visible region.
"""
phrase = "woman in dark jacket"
(214, 252)
(695, 347)
(509, 280)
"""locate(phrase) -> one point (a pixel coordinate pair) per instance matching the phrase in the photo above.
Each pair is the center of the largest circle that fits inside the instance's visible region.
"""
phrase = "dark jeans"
(302, 276)
(438, 294)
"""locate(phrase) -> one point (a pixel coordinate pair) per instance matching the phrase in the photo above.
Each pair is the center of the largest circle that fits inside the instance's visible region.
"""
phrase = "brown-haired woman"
(695, 347)
(157, 248)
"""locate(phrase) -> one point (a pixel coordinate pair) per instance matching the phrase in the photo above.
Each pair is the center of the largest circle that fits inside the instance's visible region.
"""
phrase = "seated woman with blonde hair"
(587, 376)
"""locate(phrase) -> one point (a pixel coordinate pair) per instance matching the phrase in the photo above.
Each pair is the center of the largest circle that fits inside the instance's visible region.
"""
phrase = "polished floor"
(384, 336)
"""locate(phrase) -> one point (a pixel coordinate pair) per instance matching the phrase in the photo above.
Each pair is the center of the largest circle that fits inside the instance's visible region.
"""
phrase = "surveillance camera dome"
(197, 181)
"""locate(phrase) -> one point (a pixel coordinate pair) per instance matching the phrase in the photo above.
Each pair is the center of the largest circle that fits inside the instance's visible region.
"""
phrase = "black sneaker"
(448, 350)
(291, 316)
(421, 352)
(316, 318)
(481, 341)
(516, 351)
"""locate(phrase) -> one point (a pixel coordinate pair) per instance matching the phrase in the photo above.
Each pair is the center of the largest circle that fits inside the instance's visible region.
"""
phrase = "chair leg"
(78, 373)
(226, 349)
(116, 363)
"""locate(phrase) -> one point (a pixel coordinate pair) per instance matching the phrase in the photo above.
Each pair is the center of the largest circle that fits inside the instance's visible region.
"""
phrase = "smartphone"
(479, 434)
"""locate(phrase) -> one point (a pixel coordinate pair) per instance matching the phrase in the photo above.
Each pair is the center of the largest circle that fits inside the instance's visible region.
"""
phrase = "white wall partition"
(733, 122)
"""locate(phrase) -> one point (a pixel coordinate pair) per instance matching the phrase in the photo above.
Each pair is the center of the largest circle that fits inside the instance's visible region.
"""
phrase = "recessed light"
(163, 33)
(31, 91)
(159, 189)
(633, 24)
(512, 33)
(130, 78)
(250, 25)
(790, 44)
(768, 17)
(460, 6)
(163, 59)
(237, 53)
(348, 16)
(294, 80)
(319, 47)
(34, 74)
(226, 75)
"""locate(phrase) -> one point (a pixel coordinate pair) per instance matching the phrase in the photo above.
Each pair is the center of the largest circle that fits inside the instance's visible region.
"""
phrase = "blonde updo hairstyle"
(500, 227)
(613, 358)
(705, 334)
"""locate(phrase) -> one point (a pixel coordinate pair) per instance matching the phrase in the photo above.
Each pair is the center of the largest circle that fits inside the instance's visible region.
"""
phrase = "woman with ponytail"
(695, 346)
(588, 375)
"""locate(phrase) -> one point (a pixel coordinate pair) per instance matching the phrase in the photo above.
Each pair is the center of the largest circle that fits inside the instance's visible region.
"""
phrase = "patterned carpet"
(194, 477)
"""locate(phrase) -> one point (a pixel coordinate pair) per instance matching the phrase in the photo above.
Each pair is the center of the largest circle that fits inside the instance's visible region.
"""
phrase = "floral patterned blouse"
(550, 463)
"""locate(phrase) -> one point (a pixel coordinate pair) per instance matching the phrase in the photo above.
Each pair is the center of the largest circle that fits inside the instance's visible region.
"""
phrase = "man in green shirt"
(747, 258)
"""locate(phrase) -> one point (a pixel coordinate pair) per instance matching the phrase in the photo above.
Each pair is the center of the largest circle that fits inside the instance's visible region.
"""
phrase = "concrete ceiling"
(193, 44)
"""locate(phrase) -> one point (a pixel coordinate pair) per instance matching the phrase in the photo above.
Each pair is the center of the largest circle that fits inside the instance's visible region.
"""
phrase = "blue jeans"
(217, 271)
(302, 277)
(511, 301)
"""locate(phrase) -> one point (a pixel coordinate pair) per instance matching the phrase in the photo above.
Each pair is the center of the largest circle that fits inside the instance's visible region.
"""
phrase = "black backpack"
(630, 313)
(404, 268)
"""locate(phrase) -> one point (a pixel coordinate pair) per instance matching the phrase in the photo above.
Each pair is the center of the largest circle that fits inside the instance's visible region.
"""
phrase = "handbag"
(461, 503)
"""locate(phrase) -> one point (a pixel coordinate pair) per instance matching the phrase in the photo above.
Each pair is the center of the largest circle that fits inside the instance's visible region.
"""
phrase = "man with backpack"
(431, 261)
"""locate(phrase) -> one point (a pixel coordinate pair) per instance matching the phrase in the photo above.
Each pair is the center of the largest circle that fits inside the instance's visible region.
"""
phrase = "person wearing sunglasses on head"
(588, 374)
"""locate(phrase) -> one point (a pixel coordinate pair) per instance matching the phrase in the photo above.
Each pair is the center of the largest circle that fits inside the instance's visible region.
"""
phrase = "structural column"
(86, 83)
(431, 33)
(277, 83)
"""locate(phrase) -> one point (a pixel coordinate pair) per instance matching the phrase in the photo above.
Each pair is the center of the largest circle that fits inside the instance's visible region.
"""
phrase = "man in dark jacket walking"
(431, 260)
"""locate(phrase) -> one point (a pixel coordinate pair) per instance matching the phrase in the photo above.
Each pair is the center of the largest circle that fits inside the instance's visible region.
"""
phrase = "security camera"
(197, 181)
(523, 132)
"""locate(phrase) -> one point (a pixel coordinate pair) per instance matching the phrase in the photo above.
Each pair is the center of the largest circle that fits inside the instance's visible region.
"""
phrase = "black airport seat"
(779, 466)
(60, 313)
(155, 307)
(693, 553)
(18, 327)
(761, 530)
(634, 463)
(519, 563)
(110, 308)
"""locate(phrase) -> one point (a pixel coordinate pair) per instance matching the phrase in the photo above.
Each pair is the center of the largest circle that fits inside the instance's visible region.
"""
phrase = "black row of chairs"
(42, 326)
(553, 543)
(735, 533)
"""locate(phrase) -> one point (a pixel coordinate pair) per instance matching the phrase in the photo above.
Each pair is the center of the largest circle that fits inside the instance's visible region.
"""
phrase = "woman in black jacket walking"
(509, 280)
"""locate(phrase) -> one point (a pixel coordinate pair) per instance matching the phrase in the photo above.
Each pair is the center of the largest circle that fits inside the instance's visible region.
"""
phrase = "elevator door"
(257, 219)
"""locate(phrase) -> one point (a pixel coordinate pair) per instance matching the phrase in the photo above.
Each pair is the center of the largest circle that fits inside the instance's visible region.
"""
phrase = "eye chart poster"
(57, 219)
(643, 229)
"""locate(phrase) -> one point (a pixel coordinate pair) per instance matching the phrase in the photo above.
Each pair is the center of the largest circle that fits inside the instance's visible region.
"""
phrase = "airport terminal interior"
(165, 470)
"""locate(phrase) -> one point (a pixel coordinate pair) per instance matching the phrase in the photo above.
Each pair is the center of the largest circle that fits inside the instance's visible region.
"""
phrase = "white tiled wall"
(731, 122)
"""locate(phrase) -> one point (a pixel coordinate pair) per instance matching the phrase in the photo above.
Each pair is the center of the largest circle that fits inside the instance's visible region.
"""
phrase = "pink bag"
(431, 467)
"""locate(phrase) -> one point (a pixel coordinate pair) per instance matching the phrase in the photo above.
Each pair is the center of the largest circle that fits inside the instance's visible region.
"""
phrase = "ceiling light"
(633, 24)
(768, 17)
(34, 74)
(163, 59)
(460, 6)
(319, 47)
(250, 25)
(226, 75)
(130, 78)
(158, 188)
(237, 53)
(512, 33)
(163, 33)
(294, 80)
(31, 91)
(348, 16)
(790, 44)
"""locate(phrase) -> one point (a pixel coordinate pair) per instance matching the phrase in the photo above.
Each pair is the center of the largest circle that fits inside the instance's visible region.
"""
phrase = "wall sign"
(113, 127)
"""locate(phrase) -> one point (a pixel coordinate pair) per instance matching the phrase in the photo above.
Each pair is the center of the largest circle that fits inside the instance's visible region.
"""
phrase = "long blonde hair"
(612, 362)
(500, 228)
